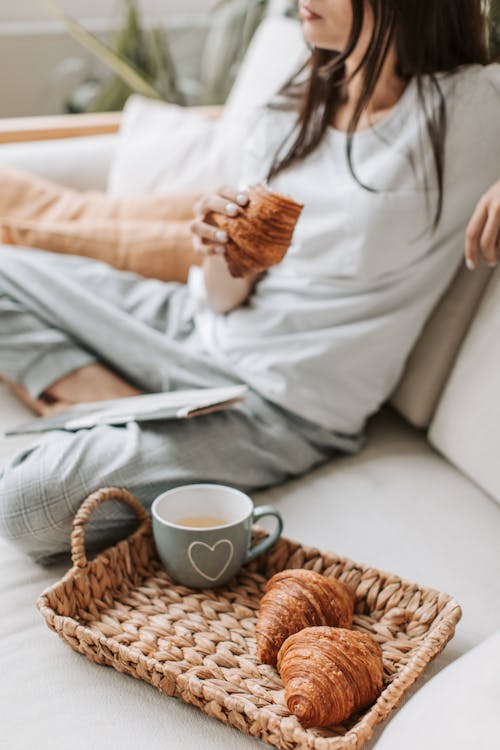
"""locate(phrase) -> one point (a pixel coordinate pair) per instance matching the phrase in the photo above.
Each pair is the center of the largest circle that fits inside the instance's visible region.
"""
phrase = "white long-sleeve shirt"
(328, 330)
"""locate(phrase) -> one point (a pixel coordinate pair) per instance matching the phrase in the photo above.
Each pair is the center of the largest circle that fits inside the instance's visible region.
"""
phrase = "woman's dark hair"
(430, 36)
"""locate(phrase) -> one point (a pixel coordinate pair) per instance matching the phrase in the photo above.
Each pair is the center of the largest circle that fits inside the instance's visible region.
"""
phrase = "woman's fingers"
(206, 248)
(226, 200)
(208, 232)
(491, 235)
(216, 203)
(208, 239)
(473, 234)
(483, 230)
(238, 197)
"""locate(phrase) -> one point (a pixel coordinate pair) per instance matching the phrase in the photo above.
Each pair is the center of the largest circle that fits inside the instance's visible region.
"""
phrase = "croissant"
(296, 599)
(328, 673)
(260, 236)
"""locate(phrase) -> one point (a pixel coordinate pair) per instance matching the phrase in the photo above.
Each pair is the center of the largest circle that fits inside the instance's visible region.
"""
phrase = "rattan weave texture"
(121, 609)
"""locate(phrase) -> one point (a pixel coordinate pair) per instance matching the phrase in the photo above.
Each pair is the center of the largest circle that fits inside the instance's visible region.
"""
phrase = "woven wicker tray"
(121, 609)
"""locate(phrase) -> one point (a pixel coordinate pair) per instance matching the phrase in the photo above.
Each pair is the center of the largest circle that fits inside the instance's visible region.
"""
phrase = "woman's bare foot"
(93, 382)
(42, 406)
(5, 235)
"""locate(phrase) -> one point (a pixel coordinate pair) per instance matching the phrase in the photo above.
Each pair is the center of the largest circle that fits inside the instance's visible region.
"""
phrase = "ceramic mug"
(203, 532)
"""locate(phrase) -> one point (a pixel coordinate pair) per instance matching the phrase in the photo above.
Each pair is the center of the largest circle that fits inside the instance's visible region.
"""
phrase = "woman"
(389, 136)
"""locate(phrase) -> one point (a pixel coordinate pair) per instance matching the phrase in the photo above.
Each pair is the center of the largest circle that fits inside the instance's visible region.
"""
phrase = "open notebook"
(149, 406)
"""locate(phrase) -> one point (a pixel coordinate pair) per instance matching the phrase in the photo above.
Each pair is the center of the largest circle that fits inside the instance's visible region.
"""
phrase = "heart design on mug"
(208, 557)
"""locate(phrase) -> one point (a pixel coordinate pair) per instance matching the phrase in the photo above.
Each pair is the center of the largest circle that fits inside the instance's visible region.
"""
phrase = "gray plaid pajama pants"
(61, 312)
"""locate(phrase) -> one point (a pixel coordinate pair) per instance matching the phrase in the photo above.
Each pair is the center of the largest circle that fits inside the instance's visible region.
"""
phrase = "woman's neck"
(388, 91)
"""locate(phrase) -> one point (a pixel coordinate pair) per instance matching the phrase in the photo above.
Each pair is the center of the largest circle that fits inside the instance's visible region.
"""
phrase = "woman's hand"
(483, 230)
(224, 292)
(208, 239)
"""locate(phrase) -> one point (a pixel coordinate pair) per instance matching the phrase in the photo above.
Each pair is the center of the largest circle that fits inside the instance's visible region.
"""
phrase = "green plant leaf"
(167, 78)
(120, 67)
(495, 29)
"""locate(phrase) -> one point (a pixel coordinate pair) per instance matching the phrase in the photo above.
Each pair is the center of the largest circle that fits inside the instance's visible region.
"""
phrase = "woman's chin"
(319, 41)
(315, 39)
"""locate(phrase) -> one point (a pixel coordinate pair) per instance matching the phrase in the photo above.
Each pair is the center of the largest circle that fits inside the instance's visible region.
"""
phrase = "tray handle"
(85, 510)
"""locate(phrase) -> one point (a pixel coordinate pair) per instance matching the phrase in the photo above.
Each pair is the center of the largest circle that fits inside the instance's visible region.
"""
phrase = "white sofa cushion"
(81, 163)
(431, 360)
(466, 427)
(277, 50)
(166, 148)
(457, 709)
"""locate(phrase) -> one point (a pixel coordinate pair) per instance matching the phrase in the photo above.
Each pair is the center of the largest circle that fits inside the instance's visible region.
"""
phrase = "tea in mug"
(201, 522)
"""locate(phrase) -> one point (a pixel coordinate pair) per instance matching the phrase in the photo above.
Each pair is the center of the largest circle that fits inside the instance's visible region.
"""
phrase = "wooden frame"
(19, 129)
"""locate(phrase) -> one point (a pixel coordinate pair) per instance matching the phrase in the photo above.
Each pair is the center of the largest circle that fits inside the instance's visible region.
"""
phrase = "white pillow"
(277, 50)
(456, 710)
(165, 148)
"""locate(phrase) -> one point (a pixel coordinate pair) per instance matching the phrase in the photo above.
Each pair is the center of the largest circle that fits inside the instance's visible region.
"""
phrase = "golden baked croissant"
(294, 599)
(328, 673)
(259, 236)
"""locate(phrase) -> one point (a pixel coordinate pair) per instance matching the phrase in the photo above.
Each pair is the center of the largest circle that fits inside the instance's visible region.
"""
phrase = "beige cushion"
(27, 197)
(147, 234)
(432, 358)
(155, 249)
(466, 426)
(457, 709)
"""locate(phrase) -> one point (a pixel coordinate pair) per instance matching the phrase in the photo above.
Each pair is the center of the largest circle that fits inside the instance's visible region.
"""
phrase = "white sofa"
(420, 500)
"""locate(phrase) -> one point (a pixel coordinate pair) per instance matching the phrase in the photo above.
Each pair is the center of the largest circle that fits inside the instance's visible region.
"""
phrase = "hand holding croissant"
(260, 236)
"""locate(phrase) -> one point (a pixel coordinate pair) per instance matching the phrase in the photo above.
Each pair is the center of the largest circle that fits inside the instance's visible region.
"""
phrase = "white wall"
(23, 10)
(40, 64)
